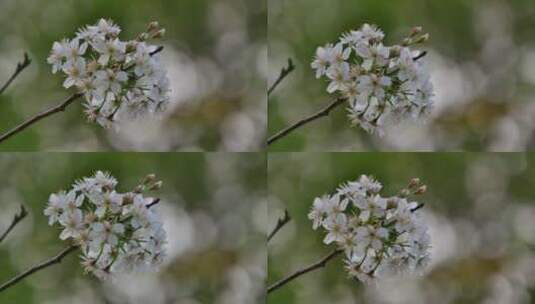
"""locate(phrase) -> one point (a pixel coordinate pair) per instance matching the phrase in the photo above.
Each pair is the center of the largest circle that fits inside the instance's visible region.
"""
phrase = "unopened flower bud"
(392, 203)
(153, 26)
(415, 182)
(159, 34)
(143, 37)
(422, 39)
(395, 51)
(156, 186)
(421, 190)
(139, 189)
(149, 179)
(417, 30)
(128, 199)
(131, 46)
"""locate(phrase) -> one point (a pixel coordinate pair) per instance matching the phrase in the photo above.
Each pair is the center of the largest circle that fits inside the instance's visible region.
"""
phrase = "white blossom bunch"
(379, 235)
(117, 78)
(116, 232)
(382, 84)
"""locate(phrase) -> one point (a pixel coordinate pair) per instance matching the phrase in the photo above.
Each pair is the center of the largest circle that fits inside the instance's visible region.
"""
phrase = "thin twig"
(284, 72)
(156, 201)
(16, 219)
(322, 113)
(20, 67)
(319, 264)
(420, 206)
(59, 108)
(158, 50)
(420, 56)
(55, 260)
(280, 223)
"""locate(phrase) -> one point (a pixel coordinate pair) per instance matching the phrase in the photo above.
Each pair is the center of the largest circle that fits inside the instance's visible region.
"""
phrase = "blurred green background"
(479, 209)
(215, 53)
(481, 58)
(213, 208)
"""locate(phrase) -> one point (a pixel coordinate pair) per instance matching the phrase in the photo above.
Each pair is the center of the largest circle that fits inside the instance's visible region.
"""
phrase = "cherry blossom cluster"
(382, 84)
(117, 78)
(379, 235)
(116, 232)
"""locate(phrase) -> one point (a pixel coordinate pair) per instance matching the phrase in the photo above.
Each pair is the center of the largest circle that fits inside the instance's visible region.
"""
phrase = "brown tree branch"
(317, 265)
(322, 113)
(420, 206)
(20, 67)
(284, 72)
(154, 202)
(57, 109)
(16, 219)
(280, 223)
(55, 260)
(158, 50)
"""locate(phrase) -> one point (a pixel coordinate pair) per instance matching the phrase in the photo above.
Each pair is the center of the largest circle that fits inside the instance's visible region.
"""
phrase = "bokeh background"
(214, 211)
(481, 58)
(215, 53)
(479, 209)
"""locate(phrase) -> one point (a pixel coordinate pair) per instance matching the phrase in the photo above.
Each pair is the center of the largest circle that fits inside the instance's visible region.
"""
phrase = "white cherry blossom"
(381, 84)
(379, 235)
(319, 211)
(116, 232)
(110, 50)
(118, 79)
(76, 72)
(374, 85)
(336, 227)
(58, 55)
(322, 60)
(339, 75)
(73, 222)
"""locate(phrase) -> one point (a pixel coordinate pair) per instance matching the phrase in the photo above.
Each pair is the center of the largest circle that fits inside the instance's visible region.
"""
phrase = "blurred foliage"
(479, 207)
(213, 55)
(212, 206)
(481, 58)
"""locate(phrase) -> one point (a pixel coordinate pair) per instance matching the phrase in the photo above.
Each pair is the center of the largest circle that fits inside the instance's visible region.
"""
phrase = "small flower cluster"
(118, 78)
(380, 83)
(116, 232)
(379, 235)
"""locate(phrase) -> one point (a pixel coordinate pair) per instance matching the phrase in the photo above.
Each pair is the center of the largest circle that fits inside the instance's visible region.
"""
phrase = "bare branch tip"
(22, 213)
(285, 71)
(17, 218)
(20, 67)
(285, 219)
